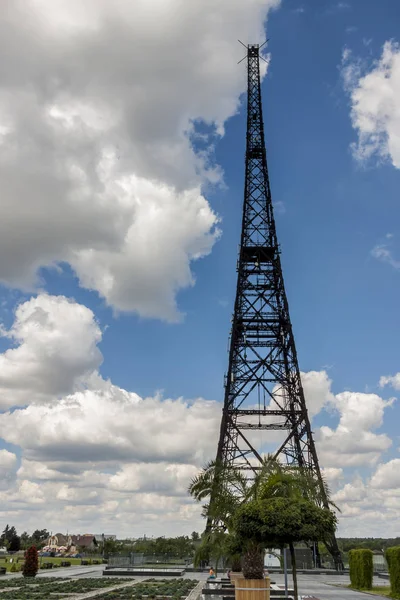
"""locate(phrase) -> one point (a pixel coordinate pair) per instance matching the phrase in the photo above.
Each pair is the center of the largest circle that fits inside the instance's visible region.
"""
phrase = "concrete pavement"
(325, 587)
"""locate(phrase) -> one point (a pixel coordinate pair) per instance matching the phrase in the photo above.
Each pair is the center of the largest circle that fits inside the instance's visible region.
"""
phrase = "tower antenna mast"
(263, 389)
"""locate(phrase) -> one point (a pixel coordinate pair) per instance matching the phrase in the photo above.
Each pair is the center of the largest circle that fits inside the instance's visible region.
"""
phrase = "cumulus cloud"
(354, 442)
(375, 108)
(47, 361)
(85, 441)
(99, 105)
(392, 380)
(8, 463)
(317, 391)
(111, 424)
(372, 500)
(387, 475)
(332, 474)
(158, 478)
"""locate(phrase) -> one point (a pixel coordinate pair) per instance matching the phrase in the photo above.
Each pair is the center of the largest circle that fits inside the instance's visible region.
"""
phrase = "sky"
(122, 138)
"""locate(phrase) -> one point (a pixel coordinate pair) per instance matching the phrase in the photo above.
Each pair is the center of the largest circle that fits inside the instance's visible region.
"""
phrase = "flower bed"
(54, 588)
(153, 589)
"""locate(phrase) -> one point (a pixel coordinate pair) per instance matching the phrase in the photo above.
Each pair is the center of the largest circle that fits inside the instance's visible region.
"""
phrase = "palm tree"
(224, 487)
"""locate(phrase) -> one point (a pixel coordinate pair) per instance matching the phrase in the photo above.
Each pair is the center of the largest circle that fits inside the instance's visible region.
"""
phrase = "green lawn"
(43, 559)
(379, 590)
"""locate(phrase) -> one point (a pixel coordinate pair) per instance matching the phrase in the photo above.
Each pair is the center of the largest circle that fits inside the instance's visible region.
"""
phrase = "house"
(70, 543)
(56, 541)
(86, 541)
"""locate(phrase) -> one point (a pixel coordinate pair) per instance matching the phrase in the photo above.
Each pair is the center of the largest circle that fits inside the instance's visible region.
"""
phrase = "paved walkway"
(323, 586)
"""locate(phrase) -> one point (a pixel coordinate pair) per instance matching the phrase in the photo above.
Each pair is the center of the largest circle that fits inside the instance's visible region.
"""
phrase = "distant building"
(58, 540)
(86, 541)
(70, 543)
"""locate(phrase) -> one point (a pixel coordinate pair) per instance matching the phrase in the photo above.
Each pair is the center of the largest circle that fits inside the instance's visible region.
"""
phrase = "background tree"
(14, 544)
(25, 539)
(9, 536)
(212, 546)
(39, 537)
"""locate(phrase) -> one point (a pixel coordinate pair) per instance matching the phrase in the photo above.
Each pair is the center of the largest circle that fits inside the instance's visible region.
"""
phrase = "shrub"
(361, 569)
(31, 564)
(393, 560)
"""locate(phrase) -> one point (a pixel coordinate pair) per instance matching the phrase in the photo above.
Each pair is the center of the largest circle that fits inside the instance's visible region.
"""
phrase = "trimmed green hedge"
(361, 569)
(393, 560)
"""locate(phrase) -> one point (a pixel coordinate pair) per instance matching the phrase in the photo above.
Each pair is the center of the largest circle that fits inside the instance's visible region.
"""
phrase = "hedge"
(393, 560)
(361, 569)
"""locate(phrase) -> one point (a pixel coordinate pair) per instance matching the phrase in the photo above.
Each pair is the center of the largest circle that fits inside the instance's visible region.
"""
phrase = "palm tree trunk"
(294, 571)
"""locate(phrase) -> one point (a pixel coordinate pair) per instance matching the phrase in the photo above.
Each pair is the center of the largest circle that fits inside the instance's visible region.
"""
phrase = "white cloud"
(48, 362)
(354, 442)
(317, 391)
(25, 492)
(41, 472)
(387, 475)
(332, 474)
(97, 168)
(375, 106)
(372, 502)
(392, 380)
(98, 444)
(8, 463)
(156, 478)
(384, 254)
(110, 424)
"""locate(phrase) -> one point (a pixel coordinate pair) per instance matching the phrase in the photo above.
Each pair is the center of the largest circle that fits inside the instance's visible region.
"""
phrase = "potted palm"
(248, 526)
(277, 521)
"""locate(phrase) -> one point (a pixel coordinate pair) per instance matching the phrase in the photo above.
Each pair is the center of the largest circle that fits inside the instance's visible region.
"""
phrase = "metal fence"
(135, 559)
(380, 563)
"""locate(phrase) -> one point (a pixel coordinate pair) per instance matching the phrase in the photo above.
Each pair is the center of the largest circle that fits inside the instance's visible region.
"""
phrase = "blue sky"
(337, 220)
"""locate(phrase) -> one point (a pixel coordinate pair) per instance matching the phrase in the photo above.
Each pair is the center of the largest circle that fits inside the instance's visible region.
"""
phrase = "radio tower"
(263, 389)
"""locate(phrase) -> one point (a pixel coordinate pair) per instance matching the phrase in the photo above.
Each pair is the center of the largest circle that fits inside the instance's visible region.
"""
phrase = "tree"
(195, 536)
(278, 521)
(111, 546)
(31, 564)
(14, 544)
(232, 493)
(227, 487)
(9, 535)
(39, 536)
(25, 539)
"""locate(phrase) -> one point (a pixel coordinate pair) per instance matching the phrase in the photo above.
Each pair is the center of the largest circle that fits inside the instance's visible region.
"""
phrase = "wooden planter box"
(233, 576)
(252, 589)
